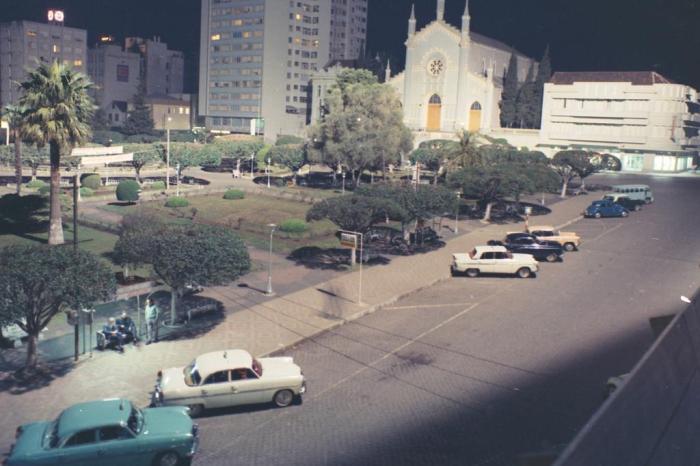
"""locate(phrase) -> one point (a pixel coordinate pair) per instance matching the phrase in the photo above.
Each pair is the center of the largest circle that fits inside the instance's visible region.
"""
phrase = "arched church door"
(475, 117)
(434, 113)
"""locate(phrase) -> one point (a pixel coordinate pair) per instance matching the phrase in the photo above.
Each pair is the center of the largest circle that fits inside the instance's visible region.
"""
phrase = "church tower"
(440, 10)
(412, 22)
(463, 105)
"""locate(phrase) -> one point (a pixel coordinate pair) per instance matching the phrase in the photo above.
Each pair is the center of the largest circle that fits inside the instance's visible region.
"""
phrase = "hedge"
(177, 202)
(232, 194)
(86, 192)
(294, 226)
(35, 184)
(91, 181)
(158, 185)
(44, 190)
(128, 191)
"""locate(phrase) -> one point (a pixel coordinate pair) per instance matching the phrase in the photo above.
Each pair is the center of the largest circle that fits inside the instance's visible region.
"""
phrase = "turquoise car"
(108, 433)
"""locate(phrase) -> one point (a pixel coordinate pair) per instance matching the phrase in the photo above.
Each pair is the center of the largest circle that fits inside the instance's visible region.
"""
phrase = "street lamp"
(252, 162)
(267, 169)
(459, 198)
(343, 181)
(528, 211)
(177, 177)
(268, 291)
(167, 152)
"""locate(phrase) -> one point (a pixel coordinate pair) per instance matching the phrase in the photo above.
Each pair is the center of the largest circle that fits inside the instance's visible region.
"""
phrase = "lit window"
(182, 110)
(55, 48)
(216, 37)
(77, 62)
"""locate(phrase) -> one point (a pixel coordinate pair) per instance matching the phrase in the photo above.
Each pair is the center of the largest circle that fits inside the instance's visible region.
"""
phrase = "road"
(480, 371)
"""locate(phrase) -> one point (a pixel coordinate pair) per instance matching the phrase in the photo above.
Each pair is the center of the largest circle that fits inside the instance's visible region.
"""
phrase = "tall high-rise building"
(257, 58)
(348, 29)
(25, 44)
(163, 69)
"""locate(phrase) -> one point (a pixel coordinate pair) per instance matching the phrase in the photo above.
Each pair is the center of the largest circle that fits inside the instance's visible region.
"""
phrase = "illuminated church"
(453, 78)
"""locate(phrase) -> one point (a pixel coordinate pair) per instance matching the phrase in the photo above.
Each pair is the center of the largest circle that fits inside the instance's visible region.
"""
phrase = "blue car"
(605, 208)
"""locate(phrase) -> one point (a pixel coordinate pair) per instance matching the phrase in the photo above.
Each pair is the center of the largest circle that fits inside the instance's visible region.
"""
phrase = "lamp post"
(252, 162)
(177, 178)
(167, 152)
(343, 181)
(459, 198)
(268, 291)
(528, 211)
(267, 169)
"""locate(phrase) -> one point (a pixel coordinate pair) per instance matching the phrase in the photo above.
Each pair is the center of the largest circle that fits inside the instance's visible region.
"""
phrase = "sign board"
(88, 151)
(106, 159)
(55, 15)
(348, 240)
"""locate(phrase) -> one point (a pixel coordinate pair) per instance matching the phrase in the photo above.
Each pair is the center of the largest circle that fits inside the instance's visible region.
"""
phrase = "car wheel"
(569, 247)
(169, 458)
(283, 398)
(597, 215)
(471, 273)
(196, 410)
(552, 257)
(524, 272)
(637, 208)
(624, 214)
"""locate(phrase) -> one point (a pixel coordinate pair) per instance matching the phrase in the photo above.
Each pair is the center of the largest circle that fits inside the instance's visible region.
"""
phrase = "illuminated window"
(216, 37)
(55, 48)
(298, 17)
(77, 63)
(31, 33)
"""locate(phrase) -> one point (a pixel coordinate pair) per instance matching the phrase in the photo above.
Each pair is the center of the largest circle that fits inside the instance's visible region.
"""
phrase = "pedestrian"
(113, 335)
(151, 313)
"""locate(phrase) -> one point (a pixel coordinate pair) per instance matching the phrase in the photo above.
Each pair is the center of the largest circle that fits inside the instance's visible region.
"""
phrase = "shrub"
(232, 194)
(181, 136)
(104, 137)
(92, 181)
(35, 184)
(44, 190)
(128, 191)
(142, 138)
(285, 139)
(158, 185)
(86, 192)
(279, 182)
(294, 226)
(177, 202)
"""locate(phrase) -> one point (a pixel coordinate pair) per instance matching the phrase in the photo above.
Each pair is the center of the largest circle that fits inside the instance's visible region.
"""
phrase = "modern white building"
(257, 58)
(25, 44)
(348, 29)
(643, 118)
(453, 78)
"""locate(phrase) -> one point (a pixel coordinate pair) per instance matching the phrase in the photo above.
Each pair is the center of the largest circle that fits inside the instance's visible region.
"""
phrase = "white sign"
(56, 15)
(83, 151)
(106, 159)
(348, 240)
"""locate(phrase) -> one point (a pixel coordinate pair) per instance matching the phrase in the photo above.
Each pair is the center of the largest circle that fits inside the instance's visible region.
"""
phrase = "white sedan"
(229, 378)
(493, 259)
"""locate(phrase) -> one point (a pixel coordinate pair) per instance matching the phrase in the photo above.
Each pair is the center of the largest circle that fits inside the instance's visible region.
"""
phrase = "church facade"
(453, 78)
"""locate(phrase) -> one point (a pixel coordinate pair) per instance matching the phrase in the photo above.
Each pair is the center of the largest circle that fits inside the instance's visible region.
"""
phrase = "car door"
(487, 263)
(80, 449)
(247, 388)
(523, 245)
(116, 446)
(216, 390)
(501, 263)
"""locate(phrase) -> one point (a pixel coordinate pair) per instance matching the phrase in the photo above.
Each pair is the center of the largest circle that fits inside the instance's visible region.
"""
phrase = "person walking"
(151, 314)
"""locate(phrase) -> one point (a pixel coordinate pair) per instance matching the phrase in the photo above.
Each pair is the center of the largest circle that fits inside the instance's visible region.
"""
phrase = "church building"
(453, 78)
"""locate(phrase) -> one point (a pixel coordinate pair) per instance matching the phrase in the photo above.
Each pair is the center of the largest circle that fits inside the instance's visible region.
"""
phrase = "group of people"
(123, 330)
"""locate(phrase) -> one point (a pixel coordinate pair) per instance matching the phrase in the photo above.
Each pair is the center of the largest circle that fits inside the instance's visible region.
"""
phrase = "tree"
(144, 154)
(526, 104)
(139, 119)
(433, 155)
(58, 112)
(509, 96)
(354, 212)
(292, 156)
(568, 164)
(544, 72)
(363, 126)
(99, 120)
(38, 282)
(197, 254)
(14, 115)
(596, 163)
(465, 153)
(128, 191)
(134, 246)
(188, 154)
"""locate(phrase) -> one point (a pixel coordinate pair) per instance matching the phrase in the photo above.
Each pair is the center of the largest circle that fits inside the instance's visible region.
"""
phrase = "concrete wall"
(654, 418)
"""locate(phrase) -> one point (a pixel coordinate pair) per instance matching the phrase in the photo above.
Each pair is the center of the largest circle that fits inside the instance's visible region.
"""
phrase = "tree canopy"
(355, 212)
(292, 156)
(139, 119)
(509, 115)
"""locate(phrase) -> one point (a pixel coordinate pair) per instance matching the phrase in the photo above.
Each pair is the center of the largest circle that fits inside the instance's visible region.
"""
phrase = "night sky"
(660, 35)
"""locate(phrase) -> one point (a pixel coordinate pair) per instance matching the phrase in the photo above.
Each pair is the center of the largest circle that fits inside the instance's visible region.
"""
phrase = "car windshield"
(51, 436)
(609, 198)
(257, 367)
(472, 254)
(191, 373)
(135, 421)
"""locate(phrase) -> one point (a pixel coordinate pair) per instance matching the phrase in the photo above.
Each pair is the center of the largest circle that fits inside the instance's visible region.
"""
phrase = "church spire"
(387, 72)
(466, 20)
(412, 21)
(440, 10)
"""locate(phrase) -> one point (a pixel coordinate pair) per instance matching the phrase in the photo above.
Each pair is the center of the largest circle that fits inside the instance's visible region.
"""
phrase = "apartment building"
(163, 69)
(25, 44)
(348, 29)
(257, 58)
(651, 123)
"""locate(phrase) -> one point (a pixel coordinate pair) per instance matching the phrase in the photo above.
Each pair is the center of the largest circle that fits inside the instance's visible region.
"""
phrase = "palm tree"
(58, 112)
(13, 114)
(465, 153)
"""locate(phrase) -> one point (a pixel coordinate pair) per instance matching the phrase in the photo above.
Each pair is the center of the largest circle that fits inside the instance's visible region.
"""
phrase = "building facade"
(170, 111)
(453, 78)
(257, 58)
(649, 122)
(25, 44)
(348, 29)
(163, 69)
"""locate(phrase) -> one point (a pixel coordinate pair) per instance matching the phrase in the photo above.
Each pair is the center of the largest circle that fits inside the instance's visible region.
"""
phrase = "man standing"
(151, 314)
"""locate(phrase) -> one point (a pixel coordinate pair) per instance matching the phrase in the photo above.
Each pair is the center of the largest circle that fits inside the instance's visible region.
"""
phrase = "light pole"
(459, 198)
(343, 181)
(268, 291)
(252, 162)
(167, 152)
(267, 169)
(528, 211)
(177, 178)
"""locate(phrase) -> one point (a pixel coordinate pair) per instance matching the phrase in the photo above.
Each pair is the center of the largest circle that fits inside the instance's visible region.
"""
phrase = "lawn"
(249, 217)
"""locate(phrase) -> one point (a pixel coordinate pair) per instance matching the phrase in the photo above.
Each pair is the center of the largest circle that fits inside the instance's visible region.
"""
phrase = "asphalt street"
(481, 371)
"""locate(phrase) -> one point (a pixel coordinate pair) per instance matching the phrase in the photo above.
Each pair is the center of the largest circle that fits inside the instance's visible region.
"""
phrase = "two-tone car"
(493, 260)
(229, 378)
(605, 208)
(525, 243)
(569, 240)
(110, 432)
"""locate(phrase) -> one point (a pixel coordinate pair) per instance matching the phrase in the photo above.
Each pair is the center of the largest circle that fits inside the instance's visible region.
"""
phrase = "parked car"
(229, 378)
(525, 243)
(625, 201)
(108, 432)
(493, 259)
(605, 208)
(569, 240)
